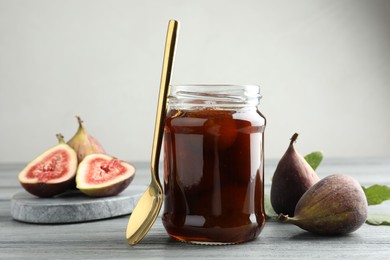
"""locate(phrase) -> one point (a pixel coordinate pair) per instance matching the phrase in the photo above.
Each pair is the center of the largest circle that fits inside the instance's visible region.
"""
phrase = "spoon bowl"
(146, 211)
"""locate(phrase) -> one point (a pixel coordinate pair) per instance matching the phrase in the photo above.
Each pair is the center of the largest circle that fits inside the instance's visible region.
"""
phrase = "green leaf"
(269, 211)
(376, 194)
(314, 159)
(378, 219)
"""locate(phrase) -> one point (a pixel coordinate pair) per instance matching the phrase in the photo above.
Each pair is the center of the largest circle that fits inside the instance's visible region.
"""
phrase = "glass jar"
(214, 164)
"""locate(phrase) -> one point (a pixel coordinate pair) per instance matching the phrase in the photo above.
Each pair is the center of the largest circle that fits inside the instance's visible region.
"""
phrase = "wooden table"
(105, 239)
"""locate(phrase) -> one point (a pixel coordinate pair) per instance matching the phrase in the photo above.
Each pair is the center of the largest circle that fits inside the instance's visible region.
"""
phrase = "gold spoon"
(148, 207)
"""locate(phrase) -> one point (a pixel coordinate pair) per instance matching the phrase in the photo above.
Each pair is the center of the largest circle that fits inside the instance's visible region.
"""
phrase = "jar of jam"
(214, 164)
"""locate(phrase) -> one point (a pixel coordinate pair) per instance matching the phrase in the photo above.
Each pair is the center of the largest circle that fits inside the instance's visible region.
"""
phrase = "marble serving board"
(73, 206)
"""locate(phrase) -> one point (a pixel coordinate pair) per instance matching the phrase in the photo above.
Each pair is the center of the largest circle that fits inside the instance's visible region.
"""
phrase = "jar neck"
(214, 96)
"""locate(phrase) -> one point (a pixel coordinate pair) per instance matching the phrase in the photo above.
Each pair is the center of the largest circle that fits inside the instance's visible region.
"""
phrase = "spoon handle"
(170, 45)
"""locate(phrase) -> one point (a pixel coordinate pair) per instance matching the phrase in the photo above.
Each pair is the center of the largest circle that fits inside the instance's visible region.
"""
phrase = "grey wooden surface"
(105, 239)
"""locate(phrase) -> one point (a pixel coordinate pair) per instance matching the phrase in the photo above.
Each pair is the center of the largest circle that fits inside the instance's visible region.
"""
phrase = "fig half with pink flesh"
(52, 172)
(101, 175)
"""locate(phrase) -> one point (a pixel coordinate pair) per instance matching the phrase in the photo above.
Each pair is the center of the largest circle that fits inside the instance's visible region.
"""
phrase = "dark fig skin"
(292, 178)
(45, 190)
(336, 205)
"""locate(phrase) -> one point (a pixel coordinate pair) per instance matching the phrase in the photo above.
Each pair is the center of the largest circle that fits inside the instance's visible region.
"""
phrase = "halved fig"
(52, 172)
(101, 175)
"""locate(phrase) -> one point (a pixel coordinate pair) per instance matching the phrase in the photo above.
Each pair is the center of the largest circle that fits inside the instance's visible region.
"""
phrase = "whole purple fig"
(292, 178)
(333, 206)
(84, 143)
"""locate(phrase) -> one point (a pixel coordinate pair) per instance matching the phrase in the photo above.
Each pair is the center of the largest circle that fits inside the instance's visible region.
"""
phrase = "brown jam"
(213, 175)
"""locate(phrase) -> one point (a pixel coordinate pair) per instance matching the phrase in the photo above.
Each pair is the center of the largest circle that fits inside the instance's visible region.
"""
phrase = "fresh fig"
(101, 175)
(333, 206)
(83, 143)
(292, 178)
(52, 172)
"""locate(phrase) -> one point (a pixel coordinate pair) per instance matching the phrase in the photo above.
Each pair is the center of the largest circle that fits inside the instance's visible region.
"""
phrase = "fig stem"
(286, 219)
(60, 138)
(282, 218)
(294, 138)
(80, 121)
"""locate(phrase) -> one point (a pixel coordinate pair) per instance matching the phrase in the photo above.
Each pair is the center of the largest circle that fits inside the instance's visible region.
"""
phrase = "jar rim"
(214, 95)
(214, 86)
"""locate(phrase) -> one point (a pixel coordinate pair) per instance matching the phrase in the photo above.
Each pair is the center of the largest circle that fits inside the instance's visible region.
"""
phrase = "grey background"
(323, 66)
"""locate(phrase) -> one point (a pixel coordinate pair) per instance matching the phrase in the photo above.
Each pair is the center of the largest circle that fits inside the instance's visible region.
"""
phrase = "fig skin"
(336, 205)
(45, 190)
(93, 170)
(83, 143)
(292, 178)
(108, 191)
(43, 185)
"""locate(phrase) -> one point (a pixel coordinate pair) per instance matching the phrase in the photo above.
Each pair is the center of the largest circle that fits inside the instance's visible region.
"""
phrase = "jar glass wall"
(214, 164)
